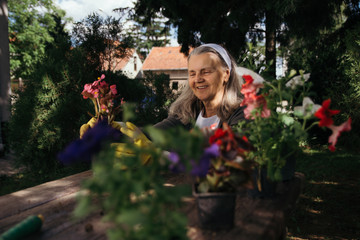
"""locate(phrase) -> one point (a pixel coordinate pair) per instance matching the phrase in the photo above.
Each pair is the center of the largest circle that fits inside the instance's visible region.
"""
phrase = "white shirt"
(210, 122)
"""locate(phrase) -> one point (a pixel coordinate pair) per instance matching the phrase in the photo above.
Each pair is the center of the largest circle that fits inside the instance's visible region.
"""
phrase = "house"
(130, 65)
(168, 60)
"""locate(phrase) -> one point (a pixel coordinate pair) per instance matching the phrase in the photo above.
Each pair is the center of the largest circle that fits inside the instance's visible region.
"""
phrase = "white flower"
(307, 109)
(297, 81)
(245, 71)
(282, 108)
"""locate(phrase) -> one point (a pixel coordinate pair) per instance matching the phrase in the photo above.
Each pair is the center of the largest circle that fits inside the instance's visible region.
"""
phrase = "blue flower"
(82, 150)
(176, 166)
(201, 168)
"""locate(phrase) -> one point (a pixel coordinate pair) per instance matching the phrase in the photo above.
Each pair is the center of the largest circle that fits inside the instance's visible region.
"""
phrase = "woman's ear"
(226, 76)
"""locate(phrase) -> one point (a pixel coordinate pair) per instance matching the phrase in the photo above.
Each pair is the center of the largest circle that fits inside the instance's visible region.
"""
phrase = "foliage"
(232, 22)
(102, 40)
(49, 111)
(147, 33)
(30, 25)
(332, 59)
(253, 58)
(158, 98)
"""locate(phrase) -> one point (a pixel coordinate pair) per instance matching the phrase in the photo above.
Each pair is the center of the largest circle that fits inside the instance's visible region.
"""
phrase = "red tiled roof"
(121, 62)
(164, 58)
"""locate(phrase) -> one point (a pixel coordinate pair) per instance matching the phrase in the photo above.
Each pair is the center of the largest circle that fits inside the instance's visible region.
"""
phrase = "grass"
(329, 206)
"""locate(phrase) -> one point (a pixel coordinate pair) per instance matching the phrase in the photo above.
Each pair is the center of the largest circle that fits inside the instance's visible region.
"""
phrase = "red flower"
(324, 114)
(216, 138)
(336, 132)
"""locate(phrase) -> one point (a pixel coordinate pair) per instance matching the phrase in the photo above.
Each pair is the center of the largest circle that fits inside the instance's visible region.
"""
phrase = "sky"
(79, 9)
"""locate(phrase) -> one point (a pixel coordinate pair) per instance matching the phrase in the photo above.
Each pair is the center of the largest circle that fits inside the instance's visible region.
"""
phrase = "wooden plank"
(17, 202)
(56, 200)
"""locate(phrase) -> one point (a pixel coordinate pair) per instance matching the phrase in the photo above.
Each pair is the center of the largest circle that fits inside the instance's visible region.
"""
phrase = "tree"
(232, 22)
(30, 24)
(147, 34)
(102, 40)
(49, 111)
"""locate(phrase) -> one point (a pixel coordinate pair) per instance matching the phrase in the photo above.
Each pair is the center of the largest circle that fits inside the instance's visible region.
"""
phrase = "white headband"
(221, 51)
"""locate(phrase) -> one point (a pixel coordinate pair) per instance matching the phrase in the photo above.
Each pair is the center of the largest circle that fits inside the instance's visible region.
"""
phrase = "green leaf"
(292, 73)
(157, 135)
(203, 187)
(287, 120)
(131, 217)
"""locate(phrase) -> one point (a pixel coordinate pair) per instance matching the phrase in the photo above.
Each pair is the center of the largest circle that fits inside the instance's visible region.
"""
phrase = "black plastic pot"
(268, 187)
(215, 210)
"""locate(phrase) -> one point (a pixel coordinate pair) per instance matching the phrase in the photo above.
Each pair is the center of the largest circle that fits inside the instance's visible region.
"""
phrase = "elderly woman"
(212, 95)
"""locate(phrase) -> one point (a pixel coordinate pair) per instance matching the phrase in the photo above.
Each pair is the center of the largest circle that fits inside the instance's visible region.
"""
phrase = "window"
(135, 63)
(175, 85)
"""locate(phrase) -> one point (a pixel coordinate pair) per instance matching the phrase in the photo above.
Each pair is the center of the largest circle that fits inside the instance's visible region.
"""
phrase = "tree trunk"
(4, 72)
(270, 45)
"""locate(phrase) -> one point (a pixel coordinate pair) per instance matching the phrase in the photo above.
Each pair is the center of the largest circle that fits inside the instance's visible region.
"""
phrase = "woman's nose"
(199, 78)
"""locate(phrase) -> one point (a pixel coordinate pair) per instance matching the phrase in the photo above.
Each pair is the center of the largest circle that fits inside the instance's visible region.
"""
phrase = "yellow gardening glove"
(90, 124)
(128, 129)
(116, 125)
(135, 133)
(139, 138)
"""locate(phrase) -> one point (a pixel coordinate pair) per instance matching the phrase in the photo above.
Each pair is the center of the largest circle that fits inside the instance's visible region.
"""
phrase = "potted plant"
(220, 169)
(279, 116)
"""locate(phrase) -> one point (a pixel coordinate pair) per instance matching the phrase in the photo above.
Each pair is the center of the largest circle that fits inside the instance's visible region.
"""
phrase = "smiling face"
(207, 78)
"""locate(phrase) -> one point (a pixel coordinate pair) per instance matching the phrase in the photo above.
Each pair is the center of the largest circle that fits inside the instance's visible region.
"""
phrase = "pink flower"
(336, 132)
(325, 113)
(95, 83)
(87, 92)
(249, 87)
(253, 101)
(113, 89)
(104, 107)
(103, 85)
(96, 93)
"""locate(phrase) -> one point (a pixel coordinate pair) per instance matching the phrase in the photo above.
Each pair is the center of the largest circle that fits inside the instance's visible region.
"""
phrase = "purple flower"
(201, 168)
(176, 166)
(82, 150)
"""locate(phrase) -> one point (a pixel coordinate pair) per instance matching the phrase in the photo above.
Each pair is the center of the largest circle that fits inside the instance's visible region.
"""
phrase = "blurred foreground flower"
(83, 150)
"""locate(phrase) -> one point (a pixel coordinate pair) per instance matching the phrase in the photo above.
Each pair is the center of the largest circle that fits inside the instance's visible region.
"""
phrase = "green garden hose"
(26, 227)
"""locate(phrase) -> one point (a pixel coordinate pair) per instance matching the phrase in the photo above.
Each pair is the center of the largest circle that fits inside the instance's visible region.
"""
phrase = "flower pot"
(268, 187)
(215, 210)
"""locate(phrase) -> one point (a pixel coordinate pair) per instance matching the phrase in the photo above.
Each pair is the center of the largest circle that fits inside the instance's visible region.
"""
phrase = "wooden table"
(55, 200)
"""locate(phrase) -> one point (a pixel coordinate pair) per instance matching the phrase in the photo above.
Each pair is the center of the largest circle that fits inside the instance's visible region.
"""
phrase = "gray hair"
(187, 105)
